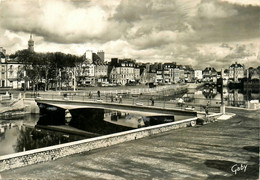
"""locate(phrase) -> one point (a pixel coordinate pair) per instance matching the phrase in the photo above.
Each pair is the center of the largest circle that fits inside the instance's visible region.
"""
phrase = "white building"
(123, 72)
(12, 73)
(198, 74)
(137, 75)
(88, 56)
(236, 72)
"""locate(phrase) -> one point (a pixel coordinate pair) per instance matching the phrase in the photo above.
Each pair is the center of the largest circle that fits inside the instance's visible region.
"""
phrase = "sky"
(200, 33)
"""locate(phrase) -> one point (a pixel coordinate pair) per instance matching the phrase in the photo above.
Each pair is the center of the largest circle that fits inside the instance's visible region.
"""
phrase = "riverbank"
(201, 152)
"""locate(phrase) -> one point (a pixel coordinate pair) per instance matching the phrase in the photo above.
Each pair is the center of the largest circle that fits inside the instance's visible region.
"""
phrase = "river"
(20, 134)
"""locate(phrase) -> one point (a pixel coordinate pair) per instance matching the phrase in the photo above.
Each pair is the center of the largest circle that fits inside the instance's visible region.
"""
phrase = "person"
(90, 95)
(112, 98)
(116, 98)
(120, 99)
(152, 100)
(207, 109)
(98, 93)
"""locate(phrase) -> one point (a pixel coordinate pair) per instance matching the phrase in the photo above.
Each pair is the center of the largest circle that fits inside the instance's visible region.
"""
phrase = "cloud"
(59, 21)
(212, 9)
(243, 2)
(198, 32)
(219, 21)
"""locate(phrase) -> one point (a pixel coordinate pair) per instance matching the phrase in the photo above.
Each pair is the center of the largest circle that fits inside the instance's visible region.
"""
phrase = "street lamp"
(222, 102)
(74, 78)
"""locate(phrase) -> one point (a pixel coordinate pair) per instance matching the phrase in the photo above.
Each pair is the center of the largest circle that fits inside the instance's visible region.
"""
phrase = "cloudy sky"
(194, 32)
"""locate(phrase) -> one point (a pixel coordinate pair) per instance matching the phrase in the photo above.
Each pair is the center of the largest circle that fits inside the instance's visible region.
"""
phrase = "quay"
(200, 152)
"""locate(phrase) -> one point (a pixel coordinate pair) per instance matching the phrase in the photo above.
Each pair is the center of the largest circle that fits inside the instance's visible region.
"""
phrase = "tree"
(47, 66)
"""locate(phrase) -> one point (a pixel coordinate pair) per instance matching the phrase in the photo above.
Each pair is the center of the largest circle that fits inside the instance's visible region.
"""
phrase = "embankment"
(58, 151)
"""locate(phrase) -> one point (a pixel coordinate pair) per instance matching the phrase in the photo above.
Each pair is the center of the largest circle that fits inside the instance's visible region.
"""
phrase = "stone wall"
(54, 152)
(31, 106)
(208, 119)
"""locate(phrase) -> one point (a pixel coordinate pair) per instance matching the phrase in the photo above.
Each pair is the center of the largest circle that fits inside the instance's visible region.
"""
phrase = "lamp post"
(74, 76)
(222, 102)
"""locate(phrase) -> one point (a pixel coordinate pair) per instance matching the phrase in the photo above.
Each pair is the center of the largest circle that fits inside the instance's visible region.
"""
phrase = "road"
(201, 152)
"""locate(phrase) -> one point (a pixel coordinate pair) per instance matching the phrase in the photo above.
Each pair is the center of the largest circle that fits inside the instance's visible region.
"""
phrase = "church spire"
(31, 44)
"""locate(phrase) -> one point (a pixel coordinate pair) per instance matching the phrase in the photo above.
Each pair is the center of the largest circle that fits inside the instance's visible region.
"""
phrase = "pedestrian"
(90, 94)
(112, 98)
(120, 99)
(152, 100)
(116, 98)
(98, 93)
(207, 109)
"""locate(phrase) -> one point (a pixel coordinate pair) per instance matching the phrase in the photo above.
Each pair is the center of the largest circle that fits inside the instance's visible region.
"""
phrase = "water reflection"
(10, 131)
(231, 97)
(31, 138)
(21, 135)
(17, 137)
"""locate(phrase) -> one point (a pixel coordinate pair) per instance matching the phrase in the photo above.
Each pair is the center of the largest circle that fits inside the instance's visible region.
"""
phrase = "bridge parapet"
(69, 104)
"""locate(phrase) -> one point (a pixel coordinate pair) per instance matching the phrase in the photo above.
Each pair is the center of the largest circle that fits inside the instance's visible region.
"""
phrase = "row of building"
(96, 71)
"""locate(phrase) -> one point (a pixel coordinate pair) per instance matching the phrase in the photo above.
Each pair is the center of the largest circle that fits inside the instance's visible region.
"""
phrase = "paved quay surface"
(201, 152)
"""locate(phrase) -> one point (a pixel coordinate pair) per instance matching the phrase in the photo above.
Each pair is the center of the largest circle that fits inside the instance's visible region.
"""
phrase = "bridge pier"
(68, 116)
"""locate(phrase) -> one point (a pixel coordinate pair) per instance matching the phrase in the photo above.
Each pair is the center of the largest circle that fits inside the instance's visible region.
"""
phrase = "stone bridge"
(138, 109)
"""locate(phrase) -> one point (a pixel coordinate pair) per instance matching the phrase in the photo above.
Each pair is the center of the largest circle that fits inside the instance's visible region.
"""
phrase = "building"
(122, 71)
(181, 74)
(168, 72)
(2, 51)
(88, 56)
(31, 44)
(101, 55)
(253, 73)
(188, 73)
(12, 73)
(166, 76)
(198, 75)
(236, 72)
(159, 76)
(87, 75)
(176, 75)
(137, 73)
(98, 58)
(100, 72)
(143, 74)
(210, 74)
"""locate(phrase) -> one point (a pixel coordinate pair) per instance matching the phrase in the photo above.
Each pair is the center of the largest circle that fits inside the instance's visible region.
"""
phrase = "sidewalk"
(226, 116)
(201, 152)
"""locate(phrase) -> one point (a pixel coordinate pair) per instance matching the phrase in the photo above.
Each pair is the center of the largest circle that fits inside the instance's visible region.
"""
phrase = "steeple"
(31, 44)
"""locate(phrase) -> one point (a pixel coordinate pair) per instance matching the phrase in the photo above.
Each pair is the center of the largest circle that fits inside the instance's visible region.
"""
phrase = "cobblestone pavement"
(212, 151)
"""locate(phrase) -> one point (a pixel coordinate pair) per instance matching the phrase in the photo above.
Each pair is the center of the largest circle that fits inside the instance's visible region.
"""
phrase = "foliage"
(46, 66)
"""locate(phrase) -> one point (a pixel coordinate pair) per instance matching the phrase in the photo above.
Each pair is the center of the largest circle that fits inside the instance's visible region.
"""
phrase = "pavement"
(222, 150)
(226, 116)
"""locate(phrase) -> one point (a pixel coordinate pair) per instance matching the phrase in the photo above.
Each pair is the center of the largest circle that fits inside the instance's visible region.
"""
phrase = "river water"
(20, 134)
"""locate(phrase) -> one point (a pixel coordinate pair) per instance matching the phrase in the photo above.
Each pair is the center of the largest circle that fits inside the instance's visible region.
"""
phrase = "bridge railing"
(136, 100)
